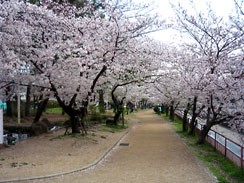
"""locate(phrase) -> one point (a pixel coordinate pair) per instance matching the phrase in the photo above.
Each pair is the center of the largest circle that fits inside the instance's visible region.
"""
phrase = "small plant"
(2, 159)
(14, 164)
(24, 163)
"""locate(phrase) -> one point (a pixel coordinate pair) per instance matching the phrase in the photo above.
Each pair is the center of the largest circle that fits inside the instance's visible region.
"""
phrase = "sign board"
(1, 126)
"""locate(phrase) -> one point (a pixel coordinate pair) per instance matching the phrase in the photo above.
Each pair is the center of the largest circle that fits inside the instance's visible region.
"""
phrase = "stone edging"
(96, 162)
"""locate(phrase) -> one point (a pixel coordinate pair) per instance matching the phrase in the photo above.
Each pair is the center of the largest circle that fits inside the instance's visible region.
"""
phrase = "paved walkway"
(155, 154)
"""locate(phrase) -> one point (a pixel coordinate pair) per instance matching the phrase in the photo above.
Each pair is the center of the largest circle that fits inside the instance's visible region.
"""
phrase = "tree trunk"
(76, 116)
(28, 100)
(184, 122)
(204, 133)
(172, 112)
(123, 119)
(35, 101)
(75, 124)
(194, 116)
(162, 108)
(9, 111)
(167, 110)
(118, 106)
(116, 116)
(192, 125)
(101, 101)
(76, 119)
(205, 129)
(41, 107)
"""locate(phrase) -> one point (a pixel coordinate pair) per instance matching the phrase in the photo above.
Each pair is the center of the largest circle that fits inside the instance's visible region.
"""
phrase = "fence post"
(242, 157)
(225, 146)
(1, 126)
(215, 140)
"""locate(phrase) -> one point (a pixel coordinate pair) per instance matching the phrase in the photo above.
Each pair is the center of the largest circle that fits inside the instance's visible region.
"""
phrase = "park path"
(155, 154)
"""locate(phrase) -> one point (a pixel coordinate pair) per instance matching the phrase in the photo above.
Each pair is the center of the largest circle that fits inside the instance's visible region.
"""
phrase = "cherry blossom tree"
(217, 45)
(136, 69)
(69, 54)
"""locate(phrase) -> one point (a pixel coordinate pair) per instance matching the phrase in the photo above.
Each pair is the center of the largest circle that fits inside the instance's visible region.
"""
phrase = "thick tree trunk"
(204, 133)
(9, 111)
(101, 101)
(192, 125)
(41, 107)
(118, 106)
(76, 116)
(167, 110)
(35, 101)
(162, 108)
(28, 100)
(194, 116)
(82, 116)
(184, 122)
(117, 116)
(123, 119)
(75, 124)
(172, 112)
(213, 118)
(206, 128)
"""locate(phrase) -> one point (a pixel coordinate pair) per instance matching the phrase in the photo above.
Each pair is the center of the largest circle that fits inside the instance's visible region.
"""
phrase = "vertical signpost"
(18, 103)
(1, 126)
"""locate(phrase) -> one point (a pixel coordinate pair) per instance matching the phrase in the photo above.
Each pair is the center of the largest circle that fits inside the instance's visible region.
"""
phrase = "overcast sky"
(163, 8)
(222, 7)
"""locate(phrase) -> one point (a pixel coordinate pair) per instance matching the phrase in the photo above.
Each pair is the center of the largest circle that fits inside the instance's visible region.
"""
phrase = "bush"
(40, 127)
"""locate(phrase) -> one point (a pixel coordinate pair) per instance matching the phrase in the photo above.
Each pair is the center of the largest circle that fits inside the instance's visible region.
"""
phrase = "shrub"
(40, 127)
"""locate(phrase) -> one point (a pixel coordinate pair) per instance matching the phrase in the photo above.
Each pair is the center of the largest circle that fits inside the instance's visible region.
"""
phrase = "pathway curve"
(155, 154)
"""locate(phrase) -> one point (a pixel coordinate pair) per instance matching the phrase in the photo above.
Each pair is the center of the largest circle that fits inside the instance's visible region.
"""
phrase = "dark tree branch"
(97, 77)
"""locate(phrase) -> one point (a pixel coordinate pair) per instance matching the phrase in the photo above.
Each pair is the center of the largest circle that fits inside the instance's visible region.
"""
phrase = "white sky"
(163, 8)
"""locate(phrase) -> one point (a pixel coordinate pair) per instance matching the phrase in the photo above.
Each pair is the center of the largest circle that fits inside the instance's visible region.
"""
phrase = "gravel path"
(155, 155)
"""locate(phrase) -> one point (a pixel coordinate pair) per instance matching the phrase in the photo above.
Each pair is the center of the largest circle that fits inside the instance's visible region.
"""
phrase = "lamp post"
(1, 125)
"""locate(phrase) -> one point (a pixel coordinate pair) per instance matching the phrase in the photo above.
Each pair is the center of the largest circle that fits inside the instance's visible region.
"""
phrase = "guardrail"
(227, 147)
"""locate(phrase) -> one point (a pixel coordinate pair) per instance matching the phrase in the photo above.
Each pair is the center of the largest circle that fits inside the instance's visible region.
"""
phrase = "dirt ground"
(54, 153)
(151, 152)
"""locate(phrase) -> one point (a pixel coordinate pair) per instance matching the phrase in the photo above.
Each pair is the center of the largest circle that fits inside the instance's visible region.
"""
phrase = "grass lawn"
(57, 110)
(222, 168)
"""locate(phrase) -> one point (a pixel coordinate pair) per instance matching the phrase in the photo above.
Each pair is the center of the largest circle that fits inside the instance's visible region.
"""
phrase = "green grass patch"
(222, 168)
(114, 128)
(14, 164)
(24, 163)
(54, 110)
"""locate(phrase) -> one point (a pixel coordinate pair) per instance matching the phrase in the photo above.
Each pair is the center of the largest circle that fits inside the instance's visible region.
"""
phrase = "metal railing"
(227, 147)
